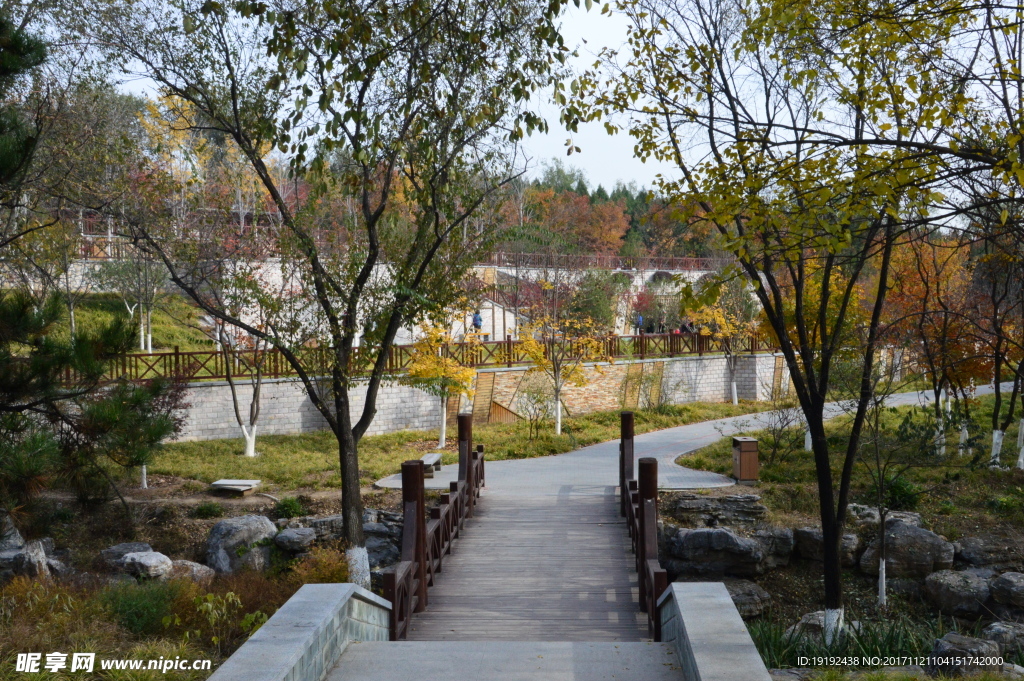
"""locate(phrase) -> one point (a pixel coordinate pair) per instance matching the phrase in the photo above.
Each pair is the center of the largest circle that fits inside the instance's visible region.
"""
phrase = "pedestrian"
(639, 323)
(478, 321)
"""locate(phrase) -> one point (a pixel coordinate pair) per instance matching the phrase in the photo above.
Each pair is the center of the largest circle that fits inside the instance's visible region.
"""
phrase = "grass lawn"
(174, 322)
(310, 460)
(959, 495)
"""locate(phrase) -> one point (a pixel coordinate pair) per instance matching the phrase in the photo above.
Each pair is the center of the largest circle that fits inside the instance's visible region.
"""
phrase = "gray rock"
(1009, 636)
(329, 527)
(113, 555)
(715, 552)
(867, 516)
(696, 510)
(191, 571)
(961, 594)
(953, 646)
(382, 529)
(812, 625)
(749, 598)
(47, 543)
(1008, 589)
(30, 561)
(777, 543)
(911, 552)
(810, 544)
(146, 564)
(59, 569)
(991, 551)
(230, 545)
(295, 540)
(382, 551)
(10, 538)
(904, 586)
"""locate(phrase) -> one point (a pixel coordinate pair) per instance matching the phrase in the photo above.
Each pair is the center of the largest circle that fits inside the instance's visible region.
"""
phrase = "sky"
(604, 158)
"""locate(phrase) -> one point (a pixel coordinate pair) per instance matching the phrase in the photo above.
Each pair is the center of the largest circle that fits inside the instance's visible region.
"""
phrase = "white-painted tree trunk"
(882, 600)
(149, 331)
(997, 447)
(145, 483)
(249, 433)
(142, 333)
(833, 625)
(358, 566)
(1020, 458)
(558, 413)
(444, 423)
(1020, 434)
(961, 448)
(734, 399)
(940, 439)
(807, 441)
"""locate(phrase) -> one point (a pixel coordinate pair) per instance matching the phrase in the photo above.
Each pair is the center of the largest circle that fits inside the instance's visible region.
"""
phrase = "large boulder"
(1009, 636)
(868, 516)
(697, 510)
(777, 543)
(112, 556)
(714, 552)
(329, 527)
(810, 544)
(191, 571)
(911, 552)
(10, 538)
(242, 542)
(749, 598)
(295, 540)
(962, 594)
(146, 564)
(992, 551)
(28, 561)
(954, 655)
(1008, 589)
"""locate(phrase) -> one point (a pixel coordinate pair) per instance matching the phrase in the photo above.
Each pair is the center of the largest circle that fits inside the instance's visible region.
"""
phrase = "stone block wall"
(286, 408)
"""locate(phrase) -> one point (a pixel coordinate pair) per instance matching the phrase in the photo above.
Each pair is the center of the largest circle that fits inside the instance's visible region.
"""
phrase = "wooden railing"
(564, 261)
(210, 364)
(639, 505)
(425, 542)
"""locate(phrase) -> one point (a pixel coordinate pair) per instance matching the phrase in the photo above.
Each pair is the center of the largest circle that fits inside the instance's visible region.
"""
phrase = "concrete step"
(507, 661)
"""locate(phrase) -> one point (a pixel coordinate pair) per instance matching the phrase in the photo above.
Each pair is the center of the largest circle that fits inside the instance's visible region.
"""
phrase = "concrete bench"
(431, 463)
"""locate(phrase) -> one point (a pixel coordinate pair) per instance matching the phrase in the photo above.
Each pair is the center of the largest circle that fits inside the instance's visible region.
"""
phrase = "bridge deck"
(550, 566)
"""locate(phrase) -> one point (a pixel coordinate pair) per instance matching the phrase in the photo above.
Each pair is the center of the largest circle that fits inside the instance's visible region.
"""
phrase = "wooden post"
(508, 349)
(625, 458)
(480, 457)
(466, 460)
(412, 494)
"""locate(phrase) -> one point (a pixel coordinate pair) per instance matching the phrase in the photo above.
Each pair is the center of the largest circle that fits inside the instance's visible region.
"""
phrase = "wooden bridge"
(544, 570)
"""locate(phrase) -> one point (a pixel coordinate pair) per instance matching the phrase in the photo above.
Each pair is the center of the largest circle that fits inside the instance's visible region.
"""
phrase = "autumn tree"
(436, 372)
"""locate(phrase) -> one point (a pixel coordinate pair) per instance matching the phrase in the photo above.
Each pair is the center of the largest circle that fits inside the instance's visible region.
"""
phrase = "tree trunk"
(142, 332)
(145, 483)
(250, 440)
(734, 399)
(71, 316)
(961, 448)
(558, 411)
(997, 447)
(149, 331)
(807, 441)
(441, 439)
(883, 600)
(351, 500)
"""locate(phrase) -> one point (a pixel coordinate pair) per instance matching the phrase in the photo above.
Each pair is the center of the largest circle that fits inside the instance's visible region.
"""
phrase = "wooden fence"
(211, 364)
(425, 542)
(639, 505)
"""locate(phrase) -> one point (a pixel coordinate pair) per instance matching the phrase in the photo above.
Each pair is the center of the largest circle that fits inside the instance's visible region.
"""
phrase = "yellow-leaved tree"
(559, 349)
(434, 370)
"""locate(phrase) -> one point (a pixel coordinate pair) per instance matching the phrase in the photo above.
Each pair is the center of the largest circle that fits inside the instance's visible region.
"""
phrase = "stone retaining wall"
(286, 408)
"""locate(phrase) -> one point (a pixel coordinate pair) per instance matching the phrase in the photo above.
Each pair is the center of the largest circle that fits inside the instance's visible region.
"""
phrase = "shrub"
(322, 566)
(900, 494)
(208, 509)
(141, 608)
(289, 507)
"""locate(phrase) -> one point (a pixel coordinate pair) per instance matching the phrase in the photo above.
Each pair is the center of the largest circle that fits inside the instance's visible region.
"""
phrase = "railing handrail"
(426, 543)
(210, 364)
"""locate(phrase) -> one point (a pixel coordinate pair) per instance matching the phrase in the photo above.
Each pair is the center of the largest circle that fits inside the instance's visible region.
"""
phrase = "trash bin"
(744, 460)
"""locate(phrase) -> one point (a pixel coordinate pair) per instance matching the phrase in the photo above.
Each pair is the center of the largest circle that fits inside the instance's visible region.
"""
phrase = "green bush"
(141, 608)
(289, 507)
(900, 494)
(208, 509)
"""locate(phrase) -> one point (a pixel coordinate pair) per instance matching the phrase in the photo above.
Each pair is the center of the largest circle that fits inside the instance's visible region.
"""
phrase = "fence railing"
(213, 364)
(603, 262)
(425, 542)
(639, 505)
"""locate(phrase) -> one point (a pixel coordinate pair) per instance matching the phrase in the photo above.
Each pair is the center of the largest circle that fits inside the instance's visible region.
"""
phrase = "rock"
(810, 544)
(991, 551)
(904, 586)
(383, 532)
(113, 555)
(696, 510)
(953, 646)
(58, 569)
(10, 538)
(1009, 636)
(812, 625)
(329, 527)
(295, 540)
(867, 516)
(1008, 589)
(382, 551)
(47, 543)
(911, 552)
(230, 545)
(749, 598)
(715, 552)
(191, 571)
(146, 564)
(30, 561)
(961, 594)
(777, 543)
